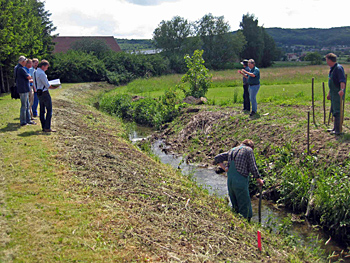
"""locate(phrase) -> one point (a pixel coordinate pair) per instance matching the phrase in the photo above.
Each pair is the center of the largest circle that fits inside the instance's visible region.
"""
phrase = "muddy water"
(272, 217)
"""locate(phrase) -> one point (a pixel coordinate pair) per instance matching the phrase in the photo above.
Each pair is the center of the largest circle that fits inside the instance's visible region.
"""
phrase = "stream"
(271, 216)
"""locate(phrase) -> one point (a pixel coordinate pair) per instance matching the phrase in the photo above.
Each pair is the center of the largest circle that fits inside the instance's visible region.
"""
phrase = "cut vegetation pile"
(92, 196)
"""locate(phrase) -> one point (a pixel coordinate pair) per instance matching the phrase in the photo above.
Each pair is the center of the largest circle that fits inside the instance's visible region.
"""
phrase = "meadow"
(280, 85)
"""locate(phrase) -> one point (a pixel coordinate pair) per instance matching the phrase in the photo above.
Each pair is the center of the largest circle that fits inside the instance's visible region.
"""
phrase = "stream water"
(271, 216)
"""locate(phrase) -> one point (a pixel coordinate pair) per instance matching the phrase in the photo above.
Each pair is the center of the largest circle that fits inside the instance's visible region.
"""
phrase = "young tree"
(197, 76)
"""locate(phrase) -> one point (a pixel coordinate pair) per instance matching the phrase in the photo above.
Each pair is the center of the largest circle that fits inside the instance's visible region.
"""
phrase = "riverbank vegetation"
(279, 131)
(87, 194)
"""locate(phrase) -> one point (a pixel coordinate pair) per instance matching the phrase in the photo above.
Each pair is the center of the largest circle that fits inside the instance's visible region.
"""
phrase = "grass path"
(85, 194)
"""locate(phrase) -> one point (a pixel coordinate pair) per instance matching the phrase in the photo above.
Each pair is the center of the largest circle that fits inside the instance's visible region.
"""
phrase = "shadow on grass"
(345, 137)
(11, 127)
(30, 133)
(255, 116)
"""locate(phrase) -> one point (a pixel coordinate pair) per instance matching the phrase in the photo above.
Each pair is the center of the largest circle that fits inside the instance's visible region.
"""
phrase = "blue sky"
(138, 18)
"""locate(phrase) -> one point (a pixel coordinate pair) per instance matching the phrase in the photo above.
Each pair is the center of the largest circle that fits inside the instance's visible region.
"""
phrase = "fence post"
(324, 104)
(308, 132)
(313, 102)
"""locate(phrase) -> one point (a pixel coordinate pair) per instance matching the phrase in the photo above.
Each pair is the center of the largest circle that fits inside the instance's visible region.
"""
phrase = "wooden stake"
(313, 102)
(341, 114)
(308, 132)
(324, 104)
(343, 105)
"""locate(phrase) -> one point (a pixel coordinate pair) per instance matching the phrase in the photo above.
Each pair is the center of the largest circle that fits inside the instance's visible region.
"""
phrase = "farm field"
(86, 194)
(279, 131)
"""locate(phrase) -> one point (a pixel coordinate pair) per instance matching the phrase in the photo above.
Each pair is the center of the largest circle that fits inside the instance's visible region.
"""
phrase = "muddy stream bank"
(273, 217)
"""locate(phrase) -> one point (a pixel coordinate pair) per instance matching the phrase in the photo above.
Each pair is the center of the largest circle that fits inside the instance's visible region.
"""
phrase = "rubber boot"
(336, 125)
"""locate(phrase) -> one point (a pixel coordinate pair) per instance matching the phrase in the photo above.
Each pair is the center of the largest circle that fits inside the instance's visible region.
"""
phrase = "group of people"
(251, 85)
(33, 88)
(241, 161)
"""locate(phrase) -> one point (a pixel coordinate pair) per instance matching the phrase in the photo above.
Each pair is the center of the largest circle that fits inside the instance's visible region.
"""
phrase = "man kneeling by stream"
(241, 162)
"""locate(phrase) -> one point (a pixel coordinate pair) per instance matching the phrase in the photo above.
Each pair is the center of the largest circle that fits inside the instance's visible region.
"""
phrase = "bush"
(77, 66)
(119, 105)
(150, 112)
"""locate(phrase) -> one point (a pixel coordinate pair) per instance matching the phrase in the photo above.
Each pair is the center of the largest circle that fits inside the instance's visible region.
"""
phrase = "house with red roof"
(63, 44)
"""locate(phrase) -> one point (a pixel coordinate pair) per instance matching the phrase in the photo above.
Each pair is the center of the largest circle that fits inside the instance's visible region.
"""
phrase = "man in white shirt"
(42, 86)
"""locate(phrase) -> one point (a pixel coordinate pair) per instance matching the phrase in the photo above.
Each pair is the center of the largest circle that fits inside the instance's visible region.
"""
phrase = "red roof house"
(63, 44)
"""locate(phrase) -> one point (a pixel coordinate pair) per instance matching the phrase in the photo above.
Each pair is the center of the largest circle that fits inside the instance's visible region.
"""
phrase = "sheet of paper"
(55, 82)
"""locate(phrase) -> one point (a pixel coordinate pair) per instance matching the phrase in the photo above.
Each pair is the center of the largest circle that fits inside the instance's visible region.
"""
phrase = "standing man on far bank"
(336, 83)
(42, 86)
(253, 76)
(246, 100)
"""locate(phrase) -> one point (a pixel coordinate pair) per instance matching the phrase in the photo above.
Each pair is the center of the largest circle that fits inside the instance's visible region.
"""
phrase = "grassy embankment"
(84, 194)
(280, 135)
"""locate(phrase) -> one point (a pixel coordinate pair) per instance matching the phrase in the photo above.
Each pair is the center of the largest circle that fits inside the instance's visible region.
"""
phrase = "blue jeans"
(253, 91)
(45, 106)
(24, 116)
(35, 105)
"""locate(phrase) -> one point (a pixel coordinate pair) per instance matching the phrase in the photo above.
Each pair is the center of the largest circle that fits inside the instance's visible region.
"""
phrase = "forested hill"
(282, 36)
(311, 36)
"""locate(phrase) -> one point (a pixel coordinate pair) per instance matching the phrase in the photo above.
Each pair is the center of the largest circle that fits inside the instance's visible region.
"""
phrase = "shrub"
(77, 66)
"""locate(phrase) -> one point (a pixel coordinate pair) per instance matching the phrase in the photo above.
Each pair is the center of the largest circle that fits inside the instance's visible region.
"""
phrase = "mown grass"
(55, 209)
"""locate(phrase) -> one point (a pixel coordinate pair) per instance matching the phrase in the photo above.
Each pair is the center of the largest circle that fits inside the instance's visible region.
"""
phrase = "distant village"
(298, 53)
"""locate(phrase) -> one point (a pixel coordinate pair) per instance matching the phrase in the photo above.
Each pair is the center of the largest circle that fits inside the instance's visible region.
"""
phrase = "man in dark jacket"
(22, 82)
(336, 83)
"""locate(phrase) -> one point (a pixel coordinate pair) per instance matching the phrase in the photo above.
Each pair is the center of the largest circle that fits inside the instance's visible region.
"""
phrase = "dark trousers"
(35, 105)
(45, 106)
(246, 100)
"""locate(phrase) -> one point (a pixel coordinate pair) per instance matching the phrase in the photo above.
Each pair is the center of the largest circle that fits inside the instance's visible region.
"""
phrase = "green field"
(288, 85)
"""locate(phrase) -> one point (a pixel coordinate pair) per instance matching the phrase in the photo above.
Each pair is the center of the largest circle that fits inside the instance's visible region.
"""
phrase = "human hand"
(328, 97)
(341, 93)
(240, 72)
(260, 181)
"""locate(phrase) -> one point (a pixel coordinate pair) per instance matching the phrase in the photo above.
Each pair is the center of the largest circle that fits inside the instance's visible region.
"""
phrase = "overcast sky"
(137, 19)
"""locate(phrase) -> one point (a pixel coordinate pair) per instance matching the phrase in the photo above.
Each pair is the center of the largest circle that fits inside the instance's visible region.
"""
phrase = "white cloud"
(149, 2)
(139, 18)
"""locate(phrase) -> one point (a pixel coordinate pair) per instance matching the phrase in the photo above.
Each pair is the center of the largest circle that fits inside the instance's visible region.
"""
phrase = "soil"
(201, 133)
(151, 212)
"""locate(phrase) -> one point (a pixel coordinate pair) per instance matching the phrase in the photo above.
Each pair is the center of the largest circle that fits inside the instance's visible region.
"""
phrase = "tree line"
(222, 48)
(25, 29)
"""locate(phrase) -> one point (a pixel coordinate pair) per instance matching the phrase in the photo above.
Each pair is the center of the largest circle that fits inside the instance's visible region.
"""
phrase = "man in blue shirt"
(22, 82)
(42, 86)
(254, 84)
(36, 100)
(336, 83)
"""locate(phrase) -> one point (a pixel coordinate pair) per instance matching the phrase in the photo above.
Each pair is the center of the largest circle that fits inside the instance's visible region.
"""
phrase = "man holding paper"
(42, 85)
